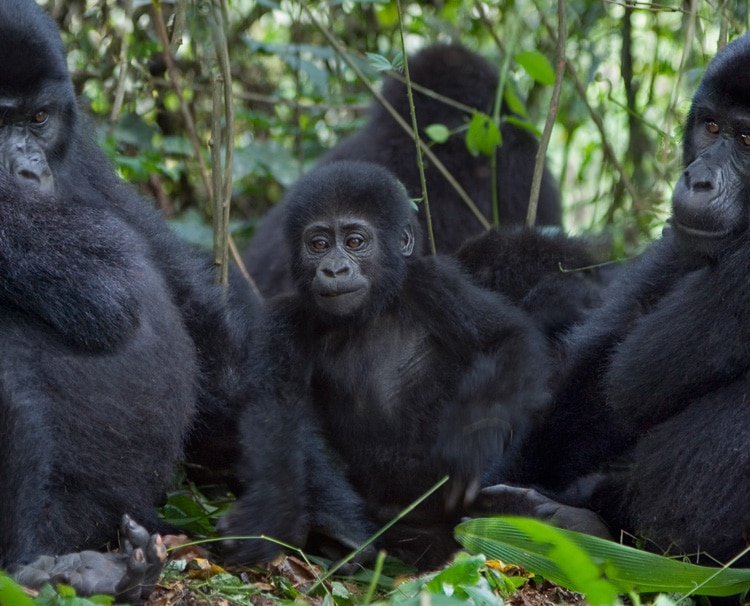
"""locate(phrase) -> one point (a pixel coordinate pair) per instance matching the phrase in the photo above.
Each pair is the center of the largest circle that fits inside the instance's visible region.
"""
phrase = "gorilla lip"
(329, 294)
(701, 233)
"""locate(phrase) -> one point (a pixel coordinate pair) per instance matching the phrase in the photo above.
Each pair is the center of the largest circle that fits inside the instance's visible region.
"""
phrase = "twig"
(597, 119)
(554, 104)
(415, 128)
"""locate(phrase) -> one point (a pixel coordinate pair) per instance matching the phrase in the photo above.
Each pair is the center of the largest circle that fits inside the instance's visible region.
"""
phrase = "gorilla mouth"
(330, 294)
(341, 302)
(711, 234)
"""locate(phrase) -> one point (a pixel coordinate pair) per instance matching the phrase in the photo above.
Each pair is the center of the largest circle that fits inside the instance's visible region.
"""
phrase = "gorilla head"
(709, 205)
(350, 265)
(37, 103)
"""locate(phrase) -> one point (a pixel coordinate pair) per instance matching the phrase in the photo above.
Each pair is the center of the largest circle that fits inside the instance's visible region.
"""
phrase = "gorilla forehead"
(726, 82)
(30, 47)
(355, 189)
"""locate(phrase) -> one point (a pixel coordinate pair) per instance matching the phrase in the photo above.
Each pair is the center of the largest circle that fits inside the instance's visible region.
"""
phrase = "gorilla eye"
(39, 118)
(354, 242)
(745, 139)
(712, 127)
(319, 244)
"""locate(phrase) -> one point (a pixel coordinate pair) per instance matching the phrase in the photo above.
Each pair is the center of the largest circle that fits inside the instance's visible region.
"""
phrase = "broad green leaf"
(537, 66)
(482, 596)
(557, 554)
(439, 133)
(11, 592)
(398, 62)
(483, 135)
(541, 549)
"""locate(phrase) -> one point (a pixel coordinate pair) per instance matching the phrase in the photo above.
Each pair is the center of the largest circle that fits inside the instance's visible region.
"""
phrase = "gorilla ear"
(407, 241)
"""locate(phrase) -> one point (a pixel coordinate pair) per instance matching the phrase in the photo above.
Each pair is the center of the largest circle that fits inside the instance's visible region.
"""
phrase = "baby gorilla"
(408, 368)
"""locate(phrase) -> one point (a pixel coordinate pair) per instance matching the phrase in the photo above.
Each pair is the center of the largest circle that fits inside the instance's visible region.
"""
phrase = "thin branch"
(554, 104)
(174, 77)
(122, 67)
(415, 128)
(222, 143)
(609, 153)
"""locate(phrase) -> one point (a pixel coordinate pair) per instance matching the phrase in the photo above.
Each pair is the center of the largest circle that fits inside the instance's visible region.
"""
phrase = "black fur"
(554, 277)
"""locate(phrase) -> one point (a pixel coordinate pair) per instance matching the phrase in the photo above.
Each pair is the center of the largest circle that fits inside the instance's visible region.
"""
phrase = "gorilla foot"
(129, 573)
(518, 501)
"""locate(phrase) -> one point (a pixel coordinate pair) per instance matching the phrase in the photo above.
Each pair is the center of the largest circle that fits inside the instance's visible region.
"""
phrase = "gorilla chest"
(377, 372)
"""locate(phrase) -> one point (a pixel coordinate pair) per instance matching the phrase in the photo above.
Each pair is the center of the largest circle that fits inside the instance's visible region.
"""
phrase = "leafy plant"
(598, 568)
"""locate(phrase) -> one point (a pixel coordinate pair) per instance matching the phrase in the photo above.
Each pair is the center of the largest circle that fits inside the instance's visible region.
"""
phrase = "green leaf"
(483, 135)
(438, 133)
(513, 101)
(398, 62)
(539, 548)
(12, 593)
(537, 66)
(524, 124)
(593, 566)
(379, 62)
(463, 571)
(482, 596)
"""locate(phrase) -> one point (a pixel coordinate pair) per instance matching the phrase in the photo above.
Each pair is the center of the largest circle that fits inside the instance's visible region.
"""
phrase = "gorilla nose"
(34, 170)
(335, 271)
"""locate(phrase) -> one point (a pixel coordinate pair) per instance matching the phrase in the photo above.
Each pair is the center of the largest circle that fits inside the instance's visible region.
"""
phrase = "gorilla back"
(99, 374)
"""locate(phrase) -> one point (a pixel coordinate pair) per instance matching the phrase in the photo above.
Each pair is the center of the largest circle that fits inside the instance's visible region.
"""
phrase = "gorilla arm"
(67, 264)
(503, 386)
(667, 338)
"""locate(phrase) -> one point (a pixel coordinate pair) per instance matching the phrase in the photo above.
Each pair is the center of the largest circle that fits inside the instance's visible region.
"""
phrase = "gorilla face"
(38, 112)
(351, 228)
(23, 139)
(337, 251)
(710, 201)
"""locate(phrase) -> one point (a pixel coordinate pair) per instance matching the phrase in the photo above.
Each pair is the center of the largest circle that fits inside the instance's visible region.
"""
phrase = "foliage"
(11, 594)
(598, 568)
(615, 146)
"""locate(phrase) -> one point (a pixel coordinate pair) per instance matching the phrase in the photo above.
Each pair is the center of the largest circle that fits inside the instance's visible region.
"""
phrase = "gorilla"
(650, 428)
(406, 370)
(112, 337)
(452, 72)
(556, 278)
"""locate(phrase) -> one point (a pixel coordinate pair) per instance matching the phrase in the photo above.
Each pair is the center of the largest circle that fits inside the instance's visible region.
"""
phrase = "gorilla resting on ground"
(410, 369)
(456, 73)
(654, 417)
(110, 333)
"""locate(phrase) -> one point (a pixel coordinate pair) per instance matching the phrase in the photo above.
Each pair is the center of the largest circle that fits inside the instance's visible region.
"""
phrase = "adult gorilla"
(470, 82)
(657, 400)
(110, 334)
